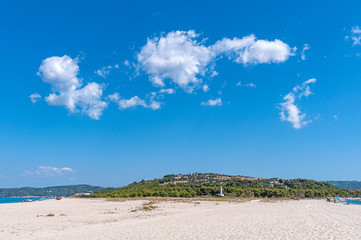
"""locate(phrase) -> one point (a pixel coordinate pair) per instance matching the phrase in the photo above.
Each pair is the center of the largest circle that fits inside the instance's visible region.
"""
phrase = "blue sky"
(111, 92)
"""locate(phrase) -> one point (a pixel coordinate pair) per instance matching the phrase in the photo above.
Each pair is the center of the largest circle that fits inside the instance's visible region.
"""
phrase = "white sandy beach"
(100, 219)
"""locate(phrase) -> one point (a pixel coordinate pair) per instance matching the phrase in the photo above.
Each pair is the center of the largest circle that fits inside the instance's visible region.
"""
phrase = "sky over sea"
(111, 92)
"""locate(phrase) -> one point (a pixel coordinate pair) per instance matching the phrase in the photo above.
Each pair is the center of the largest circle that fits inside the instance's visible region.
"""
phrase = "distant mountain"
(352, 185)
(48, 191)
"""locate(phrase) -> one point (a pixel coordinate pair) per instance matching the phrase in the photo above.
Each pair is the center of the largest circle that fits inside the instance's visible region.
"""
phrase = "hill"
(352, 185)
(208, 184)
(48, 191)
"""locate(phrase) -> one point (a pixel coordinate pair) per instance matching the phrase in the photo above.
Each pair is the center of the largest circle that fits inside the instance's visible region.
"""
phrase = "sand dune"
(100, 219)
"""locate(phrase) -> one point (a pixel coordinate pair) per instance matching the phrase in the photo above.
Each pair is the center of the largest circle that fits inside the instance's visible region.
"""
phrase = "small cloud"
(47, 171)
(305, 48)
(212, 103)
(168, 91)
(151, 100)
(205, 88)
(131, 103)
(355, 36)
(335, 117)
(214, 73)
(104, 71)
(290, 111)
(251, 85)
(135, 101)
(35, 97)
(114, 97)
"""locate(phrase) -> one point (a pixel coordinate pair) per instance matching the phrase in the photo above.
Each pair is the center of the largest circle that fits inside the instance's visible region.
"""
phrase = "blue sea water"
(15, 200)
(358, 202)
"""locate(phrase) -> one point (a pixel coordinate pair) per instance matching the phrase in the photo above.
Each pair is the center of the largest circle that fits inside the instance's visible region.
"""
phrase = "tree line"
(302, 188)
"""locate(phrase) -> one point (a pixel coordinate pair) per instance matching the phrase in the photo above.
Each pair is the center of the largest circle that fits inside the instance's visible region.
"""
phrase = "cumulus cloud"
(289, 110)
(355, 35)
(47, 171)
(212, 102)
(35, 97)
(249, 50)
(184, 60)
(176, 56)
(176, 59)
(305, 48)
(61, 73)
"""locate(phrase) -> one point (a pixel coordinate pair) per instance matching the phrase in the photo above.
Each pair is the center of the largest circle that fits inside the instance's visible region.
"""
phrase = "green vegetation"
(208, 184)
(48, 191)
(352, 185)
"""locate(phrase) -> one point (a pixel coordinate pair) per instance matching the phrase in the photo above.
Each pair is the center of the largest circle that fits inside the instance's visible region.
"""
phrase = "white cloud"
(151, 100)
(249, 50)
(176, 56)
(105, 71)
(304, 89)
(305, 48)
(180, 58)
(132, 102)
(355, 35)
(289, 110)
(154, 105)
(61, 73)
(251, 85)
(114, 97)
(35, 97)
(168, 91)
(335, 116)
(47, 171)
(211, 102)
(205, 88)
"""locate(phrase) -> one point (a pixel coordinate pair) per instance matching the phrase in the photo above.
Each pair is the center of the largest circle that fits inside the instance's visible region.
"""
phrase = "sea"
(355, 201)
(16, 200)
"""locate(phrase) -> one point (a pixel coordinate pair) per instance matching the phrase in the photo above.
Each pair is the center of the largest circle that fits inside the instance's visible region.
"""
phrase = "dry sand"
(101, 219)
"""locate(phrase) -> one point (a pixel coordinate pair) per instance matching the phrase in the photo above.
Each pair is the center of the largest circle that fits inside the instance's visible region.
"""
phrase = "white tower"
(221, 192)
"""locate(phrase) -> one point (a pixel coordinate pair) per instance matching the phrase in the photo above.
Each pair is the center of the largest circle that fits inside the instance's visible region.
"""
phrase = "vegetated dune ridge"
(180, 219)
